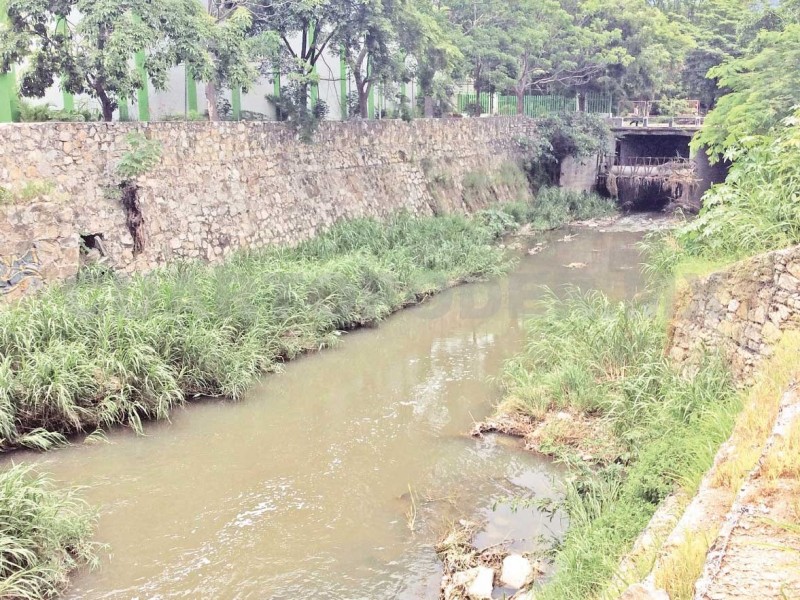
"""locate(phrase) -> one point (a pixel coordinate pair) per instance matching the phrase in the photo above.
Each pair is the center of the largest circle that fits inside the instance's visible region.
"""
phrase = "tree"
(369, 39)
(548, 48)
(764, 89)
(382, 39)
(313, 22)
(654, 48)
(234, 54)
(435, 56)
(93, 55)
(482, 34)
(716, 32)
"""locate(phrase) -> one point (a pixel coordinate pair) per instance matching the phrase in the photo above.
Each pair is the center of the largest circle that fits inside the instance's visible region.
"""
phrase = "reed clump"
(108, 350)
(44, 534)
(591, 356)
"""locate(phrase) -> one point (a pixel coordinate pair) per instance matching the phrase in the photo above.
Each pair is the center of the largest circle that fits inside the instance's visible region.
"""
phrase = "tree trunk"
(479, 108)
(303, 99)
(108, 110)
(521, 101)
(211, 98)
(363, 102)
(107, 105)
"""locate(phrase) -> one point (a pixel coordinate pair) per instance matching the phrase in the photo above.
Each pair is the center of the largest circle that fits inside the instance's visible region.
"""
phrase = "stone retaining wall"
(741, 311)
(223, 186)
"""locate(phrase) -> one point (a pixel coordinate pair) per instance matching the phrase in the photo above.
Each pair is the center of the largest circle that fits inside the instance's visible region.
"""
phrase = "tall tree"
(383, 39)
(435, 54)
(715, 28)
(305, 29)
(548, 48)
(369, 38)
(92, 54)
(654, 48)
(483, 28)
(235, 55)
(764, 89)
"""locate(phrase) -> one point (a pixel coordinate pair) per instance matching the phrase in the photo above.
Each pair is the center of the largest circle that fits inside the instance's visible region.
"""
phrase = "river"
(303, 489)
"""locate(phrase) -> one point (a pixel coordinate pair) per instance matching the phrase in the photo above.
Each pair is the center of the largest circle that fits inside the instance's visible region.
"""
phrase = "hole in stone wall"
(93, 250)
(93, 241)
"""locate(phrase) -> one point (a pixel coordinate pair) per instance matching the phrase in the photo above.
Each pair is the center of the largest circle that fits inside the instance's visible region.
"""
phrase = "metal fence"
(465, 101)
(537, 105)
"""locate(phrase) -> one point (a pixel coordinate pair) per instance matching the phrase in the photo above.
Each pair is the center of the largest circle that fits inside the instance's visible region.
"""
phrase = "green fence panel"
(464, 100)
(598, 103)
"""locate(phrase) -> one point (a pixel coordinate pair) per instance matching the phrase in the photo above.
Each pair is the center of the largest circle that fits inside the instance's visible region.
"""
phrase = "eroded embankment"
(631, 456)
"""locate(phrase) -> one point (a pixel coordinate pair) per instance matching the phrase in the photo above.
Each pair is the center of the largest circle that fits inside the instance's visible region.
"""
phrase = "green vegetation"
(604, 361)
(44, 535)
(38, 113)
(29, 191)
(142, 155)
(107, 350)
(633, 50)
(756, 126)
(549, 209)
(576, 135)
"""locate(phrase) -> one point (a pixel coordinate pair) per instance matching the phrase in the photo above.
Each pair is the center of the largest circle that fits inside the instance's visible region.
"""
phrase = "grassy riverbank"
(631, 428)
(109, 350)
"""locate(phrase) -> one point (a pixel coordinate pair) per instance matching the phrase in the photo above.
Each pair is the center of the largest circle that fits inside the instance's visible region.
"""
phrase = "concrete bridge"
(651, 165)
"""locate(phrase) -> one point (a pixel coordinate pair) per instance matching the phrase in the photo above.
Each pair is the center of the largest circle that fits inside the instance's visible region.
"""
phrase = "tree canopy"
(632, 49)
(764, 89)
(92, 54)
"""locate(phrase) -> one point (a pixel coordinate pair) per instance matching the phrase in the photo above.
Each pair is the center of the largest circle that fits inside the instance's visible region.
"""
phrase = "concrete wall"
(742, 311)
(223, 186)
(579, 174)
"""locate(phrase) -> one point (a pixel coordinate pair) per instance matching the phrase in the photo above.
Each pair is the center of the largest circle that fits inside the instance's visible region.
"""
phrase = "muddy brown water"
(303, 488)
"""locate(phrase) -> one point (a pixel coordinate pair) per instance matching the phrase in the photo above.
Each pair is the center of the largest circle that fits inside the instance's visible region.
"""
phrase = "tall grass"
(550, 208)
(43, 535)
(108, 350)
(605, 359)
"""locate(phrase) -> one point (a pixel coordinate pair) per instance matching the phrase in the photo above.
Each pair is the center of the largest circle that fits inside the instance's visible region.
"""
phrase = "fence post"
(191, 92)
(8, 85)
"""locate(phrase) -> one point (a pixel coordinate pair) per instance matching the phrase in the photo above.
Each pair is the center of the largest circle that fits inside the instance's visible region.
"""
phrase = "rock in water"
(481, 587)
(517, 571)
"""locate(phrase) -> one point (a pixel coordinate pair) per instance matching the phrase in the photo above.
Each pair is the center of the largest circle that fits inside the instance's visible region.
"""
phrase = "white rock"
(481, 587)
(464, 577)
(517, 570)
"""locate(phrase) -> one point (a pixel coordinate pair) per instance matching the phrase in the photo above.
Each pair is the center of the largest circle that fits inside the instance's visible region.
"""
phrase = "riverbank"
(660, 437)
(108, 350)
(594, 389)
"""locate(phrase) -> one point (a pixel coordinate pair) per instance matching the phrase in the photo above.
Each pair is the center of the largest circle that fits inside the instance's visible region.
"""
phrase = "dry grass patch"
(679, 571)
(760, 412)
